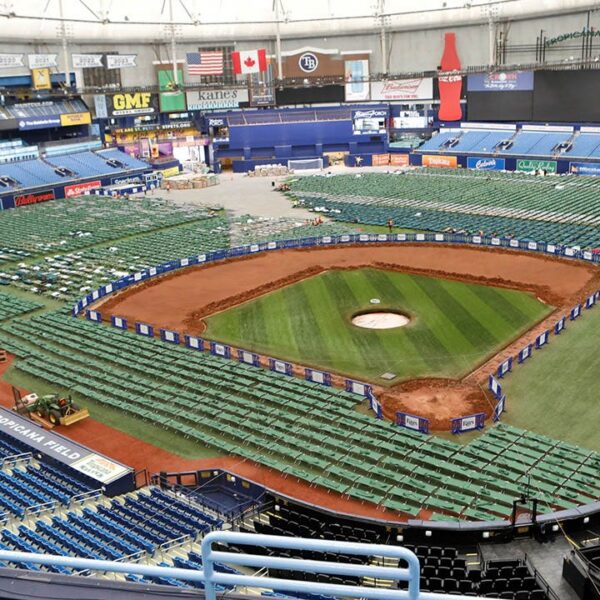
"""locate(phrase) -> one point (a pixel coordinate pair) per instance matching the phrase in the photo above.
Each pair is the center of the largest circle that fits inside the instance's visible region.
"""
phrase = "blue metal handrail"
(212, 578)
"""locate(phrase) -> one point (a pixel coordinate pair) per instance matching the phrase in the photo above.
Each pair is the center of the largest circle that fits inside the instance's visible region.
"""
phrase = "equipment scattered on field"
(52, 408)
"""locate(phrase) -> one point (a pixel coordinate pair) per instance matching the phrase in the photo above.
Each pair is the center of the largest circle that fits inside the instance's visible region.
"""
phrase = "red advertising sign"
(26, 199)
(450, 85)
(79, 189)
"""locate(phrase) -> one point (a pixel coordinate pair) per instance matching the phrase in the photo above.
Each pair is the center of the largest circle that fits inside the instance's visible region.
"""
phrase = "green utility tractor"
(53, 408)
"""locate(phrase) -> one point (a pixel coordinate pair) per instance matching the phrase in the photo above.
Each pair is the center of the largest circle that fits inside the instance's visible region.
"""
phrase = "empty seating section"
(435, 144)
(301, 428)
(546, 145)
(523, 142)
(288, 116)
(517, 205)
(584, 145)
(137, 525)
(84, 164)
(123, 157)
(448, 569)
(37, 172)
(11, 307)
(45, 109)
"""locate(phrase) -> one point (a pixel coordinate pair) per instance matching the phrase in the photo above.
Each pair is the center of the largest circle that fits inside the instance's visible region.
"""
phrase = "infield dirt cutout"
(181, 300)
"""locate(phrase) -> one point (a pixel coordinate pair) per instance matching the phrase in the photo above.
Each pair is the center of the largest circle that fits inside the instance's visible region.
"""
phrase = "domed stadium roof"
(199, 20)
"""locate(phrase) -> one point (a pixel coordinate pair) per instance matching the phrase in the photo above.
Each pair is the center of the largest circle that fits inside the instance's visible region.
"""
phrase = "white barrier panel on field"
(401, 237)
(382, 237)
(494, 386)
(94, 315)
(184, 262)
(193, 342)
(532, 245)
(271, 245)
(525, 353)
(496, 241)
(326, 239)
(542, 339)
(201, 258)
(513, 243)
(439, 237)
(420, 237)
(477, 239)
(280, 366)
(254, 248)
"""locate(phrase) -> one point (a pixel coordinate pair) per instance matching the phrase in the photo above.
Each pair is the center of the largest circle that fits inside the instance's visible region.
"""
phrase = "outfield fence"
(459, 424)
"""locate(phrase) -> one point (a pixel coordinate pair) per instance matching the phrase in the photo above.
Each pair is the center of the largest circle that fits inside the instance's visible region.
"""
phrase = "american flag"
(205, 63)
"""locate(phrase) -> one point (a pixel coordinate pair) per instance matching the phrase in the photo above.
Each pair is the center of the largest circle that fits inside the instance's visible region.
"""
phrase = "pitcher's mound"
(380, 320)
(439, 400)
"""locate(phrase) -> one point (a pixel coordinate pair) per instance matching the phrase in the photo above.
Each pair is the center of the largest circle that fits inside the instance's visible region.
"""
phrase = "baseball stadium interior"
(298, 299)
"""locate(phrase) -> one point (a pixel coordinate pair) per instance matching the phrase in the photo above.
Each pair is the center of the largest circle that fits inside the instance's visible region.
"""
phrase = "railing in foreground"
(212, 578)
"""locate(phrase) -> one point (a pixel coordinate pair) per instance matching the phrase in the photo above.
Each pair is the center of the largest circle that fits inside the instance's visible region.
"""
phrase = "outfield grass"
(556, 391)
(454, 327)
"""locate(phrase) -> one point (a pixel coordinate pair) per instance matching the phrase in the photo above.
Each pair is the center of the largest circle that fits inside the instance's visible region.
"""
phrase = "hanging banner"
(100, 106)
(216, 99)
(403, 89)
(40, 79)
(8, 61)
(513, 81)
(171, 99)
(356, 75)
(86, 61)
(41, 61)
(120, 61)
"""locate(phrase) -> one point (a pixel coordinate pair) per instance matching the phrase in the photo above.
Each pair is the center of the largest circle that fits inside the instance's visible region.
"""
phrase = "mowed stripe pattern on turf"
(454, 325)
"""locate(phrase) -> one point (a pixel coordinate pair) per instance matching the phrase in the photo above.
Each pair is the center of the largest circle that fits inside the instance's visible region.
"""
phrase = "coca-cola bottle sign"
(450, 84)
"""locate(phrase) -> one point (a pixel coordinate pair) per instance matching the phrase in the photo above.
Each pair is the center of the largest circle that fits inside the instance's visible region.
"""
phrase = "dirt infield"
(179, 301)
(439, 400)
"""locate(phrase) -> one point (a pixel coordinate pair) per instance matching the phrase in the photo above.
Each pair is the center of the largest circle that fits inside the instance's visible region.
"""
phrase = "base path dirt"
(439, 400)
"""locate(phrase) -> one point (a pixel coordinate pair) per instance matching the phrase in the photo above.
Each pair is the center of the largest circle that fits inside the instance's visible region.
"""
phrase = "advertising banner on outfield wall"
(485, 164)
(29, 123)
(398, 160)
(434, 160)
(527, 164)
(580, 168)
(78, 189)
(514, 81)
(403, 89)
(216, 99)
(26, 199)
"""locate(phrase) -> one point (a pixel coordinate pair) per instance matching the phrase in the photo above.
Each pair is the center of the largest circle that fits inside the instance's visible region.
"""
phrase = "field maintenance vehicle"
(52, 408)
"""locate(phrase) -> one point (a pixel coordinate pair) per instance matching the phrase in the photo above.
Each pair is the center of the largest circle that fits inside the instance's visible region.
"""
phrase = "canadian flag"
(249, 61)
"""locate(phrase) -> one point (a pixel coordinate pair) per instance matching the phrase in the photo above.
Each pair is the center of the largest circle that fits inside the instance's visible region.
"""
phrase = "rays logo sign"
(308, 62)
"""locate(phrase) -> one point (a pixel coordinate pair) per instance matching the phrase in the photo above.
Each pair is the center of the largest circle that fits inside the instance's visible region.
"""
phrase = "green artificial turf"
(454, 326)
(555, 392)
